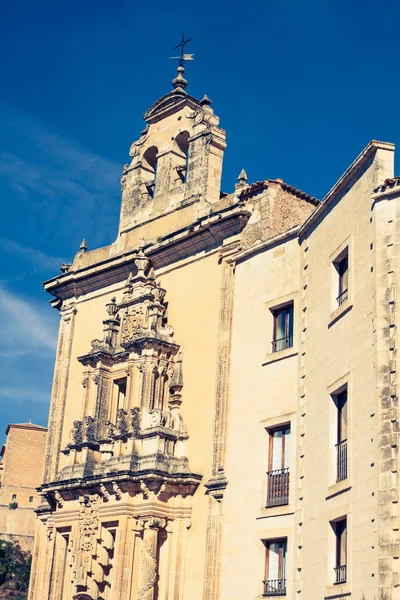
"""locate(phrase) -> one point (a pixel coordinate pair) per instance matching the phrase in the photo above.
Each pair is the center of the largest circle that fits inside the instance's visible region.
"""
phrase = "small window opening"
(275, 568)
(283, 328)
(341, 404)
(30, 498)
(278, 466)
(342, 267)
(119, 396)
(340, 569)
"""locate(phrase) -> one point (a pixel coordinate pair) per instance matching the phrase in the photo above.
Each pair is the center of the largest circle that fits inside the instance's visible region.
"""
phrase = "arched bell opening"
(149, 166)
(182, 147)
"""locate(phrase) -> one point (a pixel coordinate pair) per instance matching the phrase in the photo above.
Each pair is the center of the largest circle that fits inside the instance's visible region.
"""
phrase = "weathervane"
(183, 57)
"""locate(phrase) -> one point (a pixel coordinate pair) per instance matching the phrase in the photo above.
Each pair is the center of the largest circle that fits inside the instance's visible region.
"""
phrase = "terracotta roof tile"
(257, 186)
(388, 183)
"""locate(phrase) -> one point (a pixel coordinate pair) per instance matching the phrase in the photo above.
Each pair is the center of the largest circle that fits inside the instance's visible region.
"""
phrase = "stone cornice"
(177, 245)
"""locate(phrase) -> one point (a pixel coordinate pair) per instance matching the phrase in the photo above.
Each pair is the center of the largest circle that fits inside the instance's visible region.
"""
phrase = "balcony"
(340, 574)
(341, 472)
(343, 297)
(278, 487)
(274, 587)
(282, 343)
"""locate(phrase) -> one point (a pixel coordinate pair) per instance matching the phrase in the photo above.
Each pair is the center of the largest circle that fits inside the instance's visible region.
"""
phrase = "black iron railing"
(282, 343)
(274, 587)
(278, 487)
(341, 472)
(341, 299)
(340, 574)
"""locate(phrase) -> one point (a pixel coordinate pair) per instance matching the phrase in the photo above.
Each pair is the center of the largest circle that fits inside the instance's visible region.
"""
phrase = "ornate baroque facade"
(233, 431)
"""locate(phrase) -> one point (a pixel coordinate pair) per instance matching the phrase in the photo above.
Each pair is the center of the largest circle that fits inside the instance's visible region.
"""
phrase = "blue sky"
(300, 87)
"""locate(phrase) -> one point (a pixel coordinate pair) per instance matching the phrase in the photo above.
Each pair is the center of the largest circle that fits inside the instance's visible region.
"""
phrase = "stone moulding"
(205, 232)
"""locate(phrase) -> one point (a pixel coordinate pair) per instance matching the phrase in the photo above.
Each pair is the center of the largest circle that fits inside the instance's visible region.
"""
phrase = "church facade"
(224, 419)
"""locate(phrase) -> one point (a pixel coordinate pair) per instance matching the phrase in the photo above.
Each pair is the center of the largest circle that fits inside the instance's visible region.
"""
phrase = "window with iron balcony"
(283, 328)
(274, 583)
(278, 466)
(342, 267)
(340, 400)
(340, 569)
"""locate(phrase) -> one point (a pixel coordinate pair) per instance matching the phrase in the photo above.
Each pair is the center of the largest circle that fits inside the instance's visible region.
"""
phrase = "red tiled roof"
(388, 183)
(261, 185)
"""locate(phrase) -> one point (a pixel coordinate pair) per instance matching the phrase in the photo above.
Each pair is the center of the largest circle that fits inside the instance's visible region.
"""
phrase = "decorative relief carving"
(122, 422)
(88, 526)
(76, 433)
(133, 324)
(59, 499)
(104, 492)
(135, 422)
(89, 429)
(117, 490)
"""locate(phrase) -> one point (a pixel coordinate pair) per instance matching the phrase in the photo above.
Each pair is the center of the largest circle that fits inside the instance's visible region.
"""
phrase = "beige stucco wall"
(262, 394)
(334, 353)
(332, 347)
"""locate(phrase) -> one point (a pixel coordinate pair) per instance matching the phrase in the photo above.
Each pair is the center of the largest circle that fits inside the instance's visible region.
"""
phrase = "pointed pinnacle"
(205, 101)
(242, 176)
(83, 245)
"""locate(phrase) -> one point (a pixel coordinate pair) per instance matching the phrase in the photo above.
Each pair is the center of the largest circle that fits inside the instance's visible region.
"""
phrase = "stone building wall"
(23, 458)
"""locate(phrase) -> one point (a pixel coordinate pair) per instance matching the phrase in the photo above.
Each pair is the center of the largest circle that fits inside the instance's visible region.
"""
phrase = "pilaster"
(59, 391)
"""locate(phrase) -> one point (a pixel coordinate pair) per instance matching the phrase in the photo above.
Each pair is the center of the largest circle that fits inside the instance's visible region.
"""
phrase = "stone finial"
(180, 82)
(83, 246)
(242, 176)
(205, 101)
(112, 307)
(242, 180)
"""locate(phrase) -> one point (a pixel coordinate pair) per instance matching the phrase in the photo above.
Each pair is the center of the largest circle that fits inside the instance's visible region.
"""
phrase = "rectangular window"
(342, 267)
(30, 498)
(275, 568)
(283, 328)
(14, 496)
(340, 569)
(119, 398)
(341, 435)
(278, 466)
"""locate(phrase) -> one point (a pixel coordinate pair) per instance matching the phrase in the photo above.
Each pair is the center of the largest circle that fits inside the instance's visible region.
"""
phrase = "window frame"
(278, 484)
(342, 276)
(117, 382)
(340, 399)
(340, 566)
(288, 309)
(282, 564)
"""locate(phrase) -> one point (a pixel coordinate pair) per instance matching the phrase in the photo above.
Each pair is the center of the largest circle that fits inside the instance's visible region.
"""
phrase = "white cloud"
(26, 328)
(36, 257)
(18, 394)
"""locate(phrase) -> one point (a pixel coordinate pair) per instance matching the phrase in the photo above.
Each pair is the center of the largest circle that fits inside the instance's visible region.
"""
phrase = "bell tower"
(176, 162)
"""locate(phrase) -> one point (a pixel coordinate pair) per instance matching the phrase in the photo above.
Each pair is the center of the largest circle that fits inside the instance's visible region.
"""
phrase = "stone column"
(148, 558)
(123, 559)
